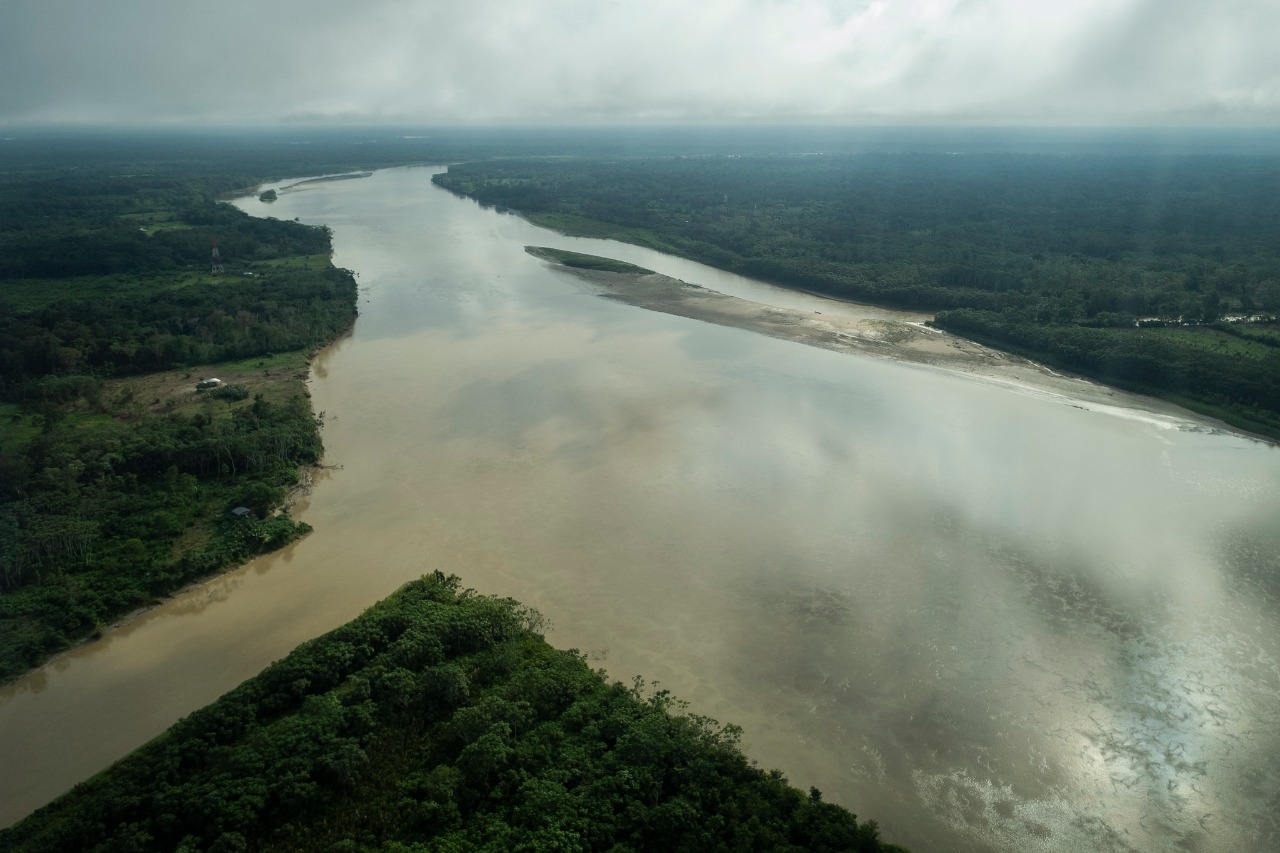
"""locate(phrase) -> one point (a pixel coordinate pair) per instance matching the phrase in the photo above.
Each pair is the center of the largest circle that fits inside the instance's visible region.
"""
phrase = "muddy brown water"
(988, 618)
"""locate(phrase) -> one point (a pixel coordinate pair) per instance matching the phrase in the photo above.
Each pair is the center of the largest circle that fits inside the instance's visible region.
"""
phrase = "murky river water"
(991, 621)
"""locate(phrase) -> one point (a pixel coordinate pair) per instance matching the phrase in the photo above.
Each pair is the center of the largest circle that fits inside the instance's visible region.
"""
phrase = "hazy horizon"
(486, 63)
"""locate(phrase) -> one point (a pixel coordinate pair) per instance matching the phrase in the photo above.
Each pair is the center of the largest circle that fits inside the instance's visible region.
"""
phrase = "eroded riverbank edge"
(901, 336)
(168, 386)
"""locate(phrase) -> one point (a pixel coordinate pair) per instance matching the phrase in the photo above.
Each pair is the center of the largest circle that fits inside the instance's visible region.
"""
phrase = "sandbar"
(899, 335)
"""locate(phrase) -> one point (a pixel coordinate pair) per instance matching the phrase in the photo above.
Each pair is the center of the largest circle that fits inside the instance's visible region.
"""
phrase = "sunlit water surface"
(989, 620)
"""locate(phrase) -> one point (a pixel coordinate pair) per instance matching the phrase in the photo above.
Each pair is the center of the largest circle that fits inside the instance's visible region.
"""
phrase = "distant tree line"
(1088, 262)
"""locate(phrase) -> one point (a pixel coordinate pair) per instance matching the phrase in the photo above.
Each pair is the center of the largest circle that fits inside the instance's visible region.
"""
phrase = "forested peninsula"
(1157, 273)
(440, 720)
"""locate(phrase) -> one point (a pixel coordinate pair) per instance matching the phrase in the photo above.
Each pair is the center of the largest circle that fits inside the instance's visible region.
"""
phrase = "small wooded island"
(440, 720)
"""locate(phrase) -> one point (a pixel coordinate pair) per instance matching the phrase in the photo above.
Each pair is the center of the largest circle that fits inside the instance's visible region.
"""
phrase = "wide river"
(988, 618)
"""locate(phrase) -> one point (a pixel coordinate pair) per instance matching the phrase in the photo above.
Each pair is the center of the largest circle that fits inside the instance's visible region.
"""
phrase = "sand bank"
(899, 335)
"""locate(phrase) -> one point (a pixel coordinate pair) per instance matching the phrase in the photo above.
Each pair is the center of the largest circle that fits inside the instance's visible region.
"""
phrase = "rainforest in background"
(1156, 271)
(440, 720)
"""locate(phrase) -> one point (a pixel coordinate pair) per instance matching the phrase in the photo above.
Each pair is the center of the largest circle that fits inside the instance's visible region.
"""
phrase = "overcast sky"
(1195, 62)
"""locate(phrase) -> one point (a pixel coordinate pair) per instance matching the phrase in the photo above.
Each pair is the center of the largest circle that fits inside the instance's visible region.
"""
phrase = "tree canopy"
(440, 720)
(110, 501)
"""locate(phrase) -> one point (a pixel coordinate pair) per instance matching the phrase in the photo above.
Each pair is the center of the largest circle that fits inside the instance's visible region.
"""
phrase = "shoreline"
(324, 179)
(293, 495)
(905, 338)
(304, 487)
(296, 186)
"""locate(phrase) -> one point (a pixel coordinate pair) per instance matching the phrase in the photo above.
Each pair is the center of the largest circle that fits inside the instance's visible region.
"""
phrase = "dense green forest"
(440, 720)
(1159, 273)
(116, 482)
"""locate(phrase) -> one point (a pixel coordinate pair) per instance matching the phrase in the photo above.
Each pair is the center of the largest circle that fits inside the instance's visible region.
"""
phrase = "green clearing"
(32, 294)
(306, 262)
(166, 226)
(17, 427)
(156, 220)
(1211, 340)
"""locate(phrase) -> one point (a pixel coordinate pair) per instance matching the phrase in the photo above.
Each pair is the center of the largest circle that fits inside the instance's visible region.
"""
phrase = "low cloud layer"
(447, 61)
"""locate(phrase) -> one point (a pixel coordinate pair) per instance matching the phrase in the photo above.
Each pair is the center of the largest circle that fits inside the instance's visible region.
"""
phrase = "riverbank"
(323, 179)
(441, 657)
(899, 335)
(119, 491)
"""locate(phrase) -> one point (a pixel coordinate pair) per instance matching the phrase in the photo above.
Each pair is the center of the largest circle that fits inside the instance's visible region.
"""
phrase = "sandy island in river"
(899, 335)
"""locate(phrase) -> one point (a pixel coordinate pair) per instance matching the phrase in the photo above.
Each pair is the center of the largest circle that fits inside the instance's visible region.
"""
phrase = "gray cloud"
(439, 61)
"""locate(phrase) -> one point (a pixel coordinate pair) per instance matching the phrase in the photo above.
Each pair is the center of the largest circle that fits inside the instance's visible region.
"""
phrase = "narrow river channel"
(988, 618)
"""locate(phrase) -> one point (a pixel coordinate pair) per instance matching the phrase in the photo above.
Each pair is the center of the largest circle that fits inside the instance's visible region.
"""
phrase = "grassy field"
(275, 377)
(24, 295)
(129, 399)
(306, 262)
(16, 427)
(32, 294)
(1213, 341)
(153, 221)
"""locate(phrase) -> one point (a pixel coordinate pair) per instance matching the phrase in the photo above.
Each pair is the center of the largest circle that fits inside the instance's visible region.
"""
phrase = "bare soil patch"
(175, 391)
